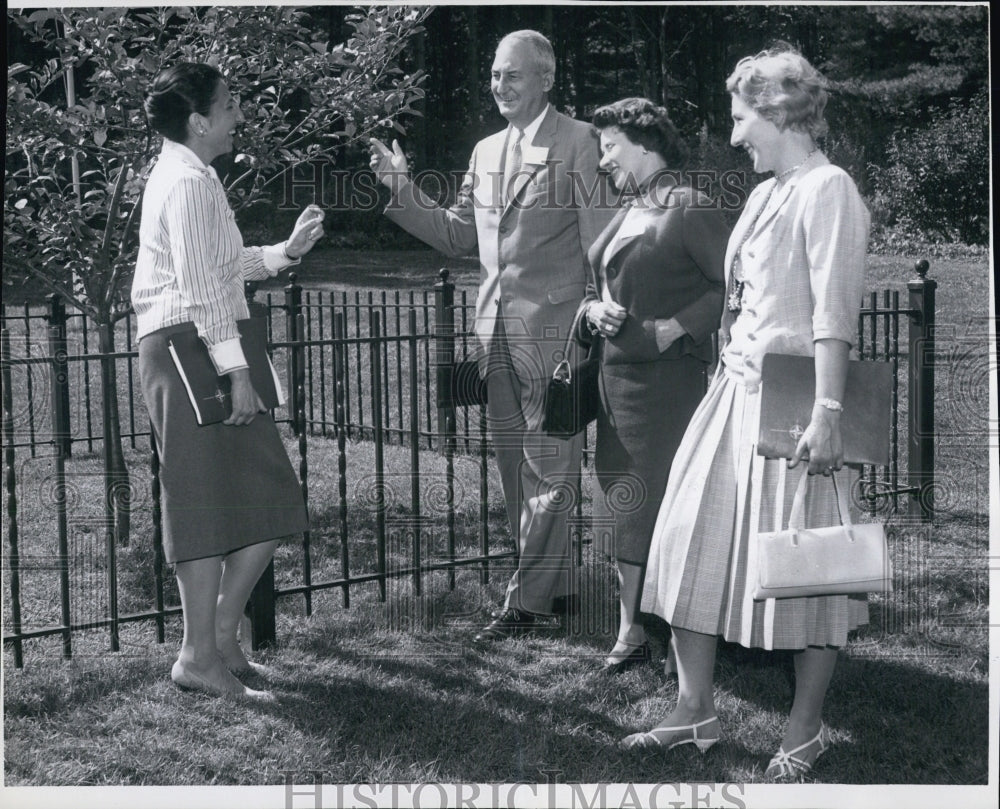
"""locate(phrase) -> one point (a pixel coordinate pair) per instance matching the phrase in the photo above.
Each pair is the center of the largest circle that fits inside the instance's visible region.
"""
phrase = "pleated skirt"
(223, 487)
(720, 496)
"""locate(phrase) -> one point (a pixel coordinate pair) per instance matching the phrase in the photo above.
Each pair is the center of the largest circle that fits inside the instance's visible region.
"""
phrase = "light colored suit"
(532, 245)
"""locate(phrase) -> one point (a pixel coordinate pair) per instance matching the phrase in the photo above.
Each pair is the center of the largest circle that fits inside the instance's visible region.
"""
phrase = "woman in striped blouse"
(229, 490)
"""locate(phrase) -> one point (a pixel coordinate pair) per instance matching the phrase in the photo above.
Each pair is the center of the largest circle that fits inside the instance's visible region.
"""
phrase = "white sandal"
(657, 737)
(791, 764)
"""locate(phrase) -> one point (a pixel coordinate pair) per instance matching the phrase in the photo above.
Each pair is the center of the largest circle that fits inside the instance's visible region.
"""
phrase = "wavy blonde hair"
(781, 85)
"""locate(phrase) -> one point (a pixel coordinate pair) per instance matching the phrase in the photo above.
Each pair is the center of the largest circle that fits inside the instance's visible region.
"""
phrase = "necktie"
(514, 164)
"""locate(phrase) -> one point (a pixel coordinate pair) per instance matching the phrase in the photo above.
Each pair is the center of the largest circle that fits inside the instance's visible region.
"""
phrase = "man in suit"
(526, 203)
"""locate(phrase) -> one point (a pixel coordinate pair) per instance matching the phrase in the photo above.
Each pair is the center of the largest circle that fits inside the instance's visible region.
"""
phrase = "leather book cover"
(208, 392)
(788, 390)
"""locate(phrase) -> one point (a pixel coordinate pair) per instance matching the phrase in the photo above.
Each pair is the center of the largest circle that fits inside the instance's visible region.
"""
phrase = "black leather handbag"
(572, 396)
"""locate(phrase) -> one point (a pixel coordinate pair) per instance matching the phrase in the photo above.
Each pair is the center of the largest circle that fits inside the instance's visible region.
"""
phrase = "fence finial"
(250, 290)
(443, 275)
(922, 267)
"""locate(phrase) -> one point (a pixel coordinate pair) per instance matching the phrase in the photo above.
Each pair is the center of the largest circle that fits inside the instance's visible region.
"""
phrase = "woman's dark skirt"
(223, 487)
(645, 409)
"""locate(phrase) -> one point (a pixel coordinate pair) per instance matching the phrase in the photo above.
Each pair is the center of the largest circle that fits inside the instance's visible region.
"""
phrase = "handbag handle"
(798, 506)
(563, 369)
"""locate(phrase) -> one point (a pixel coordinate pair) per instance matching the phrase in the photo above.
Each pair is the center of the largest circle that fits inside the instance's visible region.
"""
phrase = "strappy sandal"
(795, 765)
(665, 737)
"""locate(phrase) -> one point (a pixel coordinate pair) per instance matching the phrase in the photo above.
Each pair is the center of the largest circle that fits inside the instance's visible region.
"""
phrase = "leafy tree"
(936, 180)
(76, 166)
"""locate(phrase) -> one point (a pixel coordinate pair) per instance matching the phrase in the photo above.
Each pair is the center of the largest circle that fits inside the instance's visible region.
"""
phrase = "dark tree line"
(895, 72)
(906, 81)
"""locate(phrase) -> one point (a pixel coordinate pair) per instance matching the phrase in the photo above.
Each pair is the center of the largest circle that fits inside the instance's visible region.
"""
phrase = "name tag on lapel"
(535, 155)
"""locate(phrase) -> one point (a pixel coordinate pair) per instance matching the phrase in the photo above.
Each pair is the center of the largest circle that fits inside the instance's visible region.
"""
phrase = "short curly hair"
(646, 124)
(177, 92)
(781, 85)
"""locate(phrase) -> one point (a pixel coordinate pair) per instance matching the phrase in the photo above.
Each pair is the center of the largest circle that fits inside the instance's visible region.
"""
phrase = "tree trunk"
(644, 47)
(117, 483)
(473, 73)
(664, 73)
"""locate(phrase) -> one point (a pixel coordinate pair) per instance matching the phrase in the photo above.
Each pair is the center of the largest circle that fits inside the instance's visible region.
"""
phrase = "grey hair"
(545, 57)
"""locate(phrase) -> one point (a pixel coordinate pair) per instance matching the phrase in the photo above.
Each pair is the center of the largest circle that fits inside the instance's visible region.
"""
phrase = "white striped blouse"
(192, 262)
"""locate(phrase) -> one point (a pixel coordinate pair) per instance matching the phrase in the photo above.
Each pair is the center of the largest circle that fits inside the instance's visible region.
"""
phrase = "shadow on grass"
(367, 705)
(526, 709)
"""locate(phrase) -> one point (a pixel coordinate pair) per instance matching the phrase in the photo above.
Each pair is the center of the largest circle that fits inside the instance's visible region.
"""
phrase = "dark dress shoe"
(636, 657)
(507, 624)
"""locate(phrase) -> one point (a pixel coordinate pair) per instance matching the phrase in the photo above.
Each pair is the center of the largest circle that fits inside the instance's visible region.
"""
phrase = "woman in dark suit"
(655, 296)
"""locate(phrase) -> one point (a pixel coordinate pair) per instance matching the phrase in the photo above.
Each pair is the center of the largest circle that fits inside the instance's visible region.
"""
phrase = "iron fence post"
(60, 440)
(257, 309)
(157, 519)
(444, 361)
(61, 434)
(921, 393)
(112, 499)
(10, 496)
(340, 372)
(375, 367)
(444, 358)
(260, 610)
(293, 308)
(414, 450)
(260, 606)
(300, 419)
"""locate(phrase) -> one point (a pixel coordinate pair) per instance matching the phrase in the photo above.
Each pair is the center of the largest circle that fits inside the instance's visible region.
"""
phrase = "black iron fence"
(361, 371)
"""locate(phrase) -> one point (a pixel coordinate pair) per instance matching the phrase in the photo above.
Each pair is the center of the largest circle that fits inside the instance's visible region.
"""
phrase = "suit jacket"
(667, 263)
(804, 265)
(532, 243)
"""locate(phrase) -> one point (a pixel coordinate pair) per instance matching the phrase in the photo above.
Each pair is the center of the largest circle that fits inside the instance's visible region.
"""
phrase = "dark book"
(788, 391)
(210, 393)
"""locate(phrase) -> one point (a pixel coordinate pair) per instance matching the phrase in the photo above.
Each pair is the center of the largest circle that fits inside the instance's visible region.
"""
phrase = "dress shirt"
(803, 269)
(192, 263)
(527, 137)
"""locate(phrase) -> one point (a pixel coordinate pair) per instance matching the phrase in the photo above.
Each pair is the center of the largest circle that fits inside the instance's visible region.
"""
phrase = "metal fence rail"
(359, 368)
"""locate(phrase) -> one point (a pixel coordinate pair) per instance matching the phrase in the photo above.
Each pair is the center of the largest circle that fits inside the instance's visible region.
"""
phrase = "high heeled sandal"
(791, 764)
(655, 737)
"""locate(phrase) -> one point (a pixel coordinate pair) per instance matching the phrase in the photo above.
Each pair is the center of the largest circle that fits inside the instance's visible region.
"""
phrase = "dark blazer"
(533, 245)
(669, 265)
(668, 262)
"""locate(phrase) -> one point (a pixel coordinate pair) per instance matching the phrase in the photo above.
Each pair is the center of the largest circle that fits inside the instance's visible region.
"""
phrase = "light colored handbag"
(840, 559)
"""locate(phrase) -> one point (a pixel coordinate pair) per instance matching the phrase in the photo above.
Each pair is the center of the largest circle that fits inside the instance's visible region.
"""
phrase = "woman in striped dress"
(229, 490)
(795, 278)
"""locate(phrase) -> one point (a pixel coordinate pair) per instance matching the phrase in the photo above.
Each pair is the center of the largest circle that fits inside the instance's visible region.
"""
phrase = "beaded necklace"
(735, 300)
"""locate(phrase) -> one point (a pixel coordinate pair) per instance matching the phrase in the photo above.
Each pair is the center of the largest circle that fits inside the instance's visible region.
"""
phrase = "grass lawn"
(394, 691)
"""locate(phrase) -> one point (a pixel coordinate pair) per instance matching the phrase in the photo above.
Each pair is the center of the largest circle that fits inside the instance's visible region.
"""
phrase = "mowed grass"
(393, 690)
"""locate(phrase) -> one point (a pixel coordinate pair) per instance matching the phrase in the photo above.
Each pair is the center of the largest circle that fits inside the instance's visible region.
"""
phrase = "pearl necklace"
(735, 301)
(793, 169)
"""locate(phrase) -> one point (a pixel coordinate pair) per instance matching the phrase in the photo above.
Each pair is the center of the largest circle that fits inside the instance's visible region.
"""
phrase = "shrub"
(936, 178)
